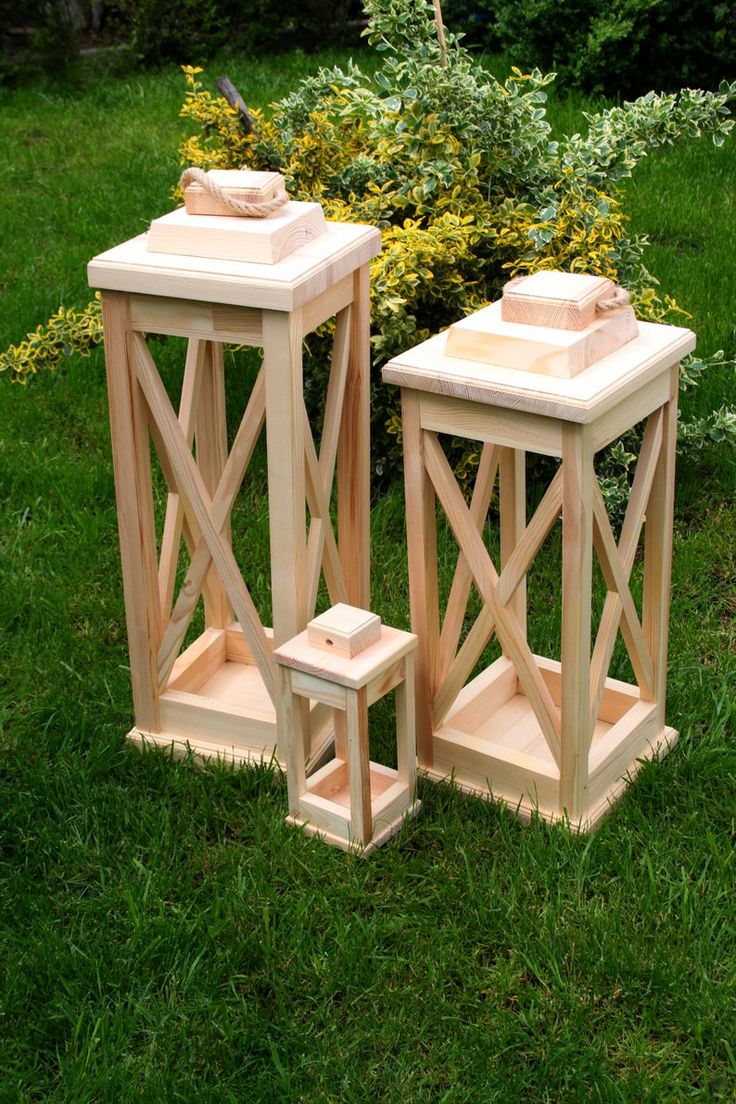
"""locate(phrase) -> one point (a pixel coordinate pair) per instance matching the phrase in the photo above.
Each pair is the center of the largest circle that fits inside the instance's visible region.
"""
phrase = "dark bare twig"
(233, 97)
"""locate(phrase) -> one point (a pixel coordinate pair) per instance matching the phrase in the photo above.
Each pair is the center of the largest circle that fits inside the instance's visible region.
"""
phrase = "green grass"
(164, 936)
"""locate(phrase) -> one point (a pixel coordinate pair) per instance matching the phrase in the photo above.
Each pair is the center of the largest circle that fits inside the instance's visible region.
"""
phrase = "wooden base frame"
(557, 738)
(492, 745)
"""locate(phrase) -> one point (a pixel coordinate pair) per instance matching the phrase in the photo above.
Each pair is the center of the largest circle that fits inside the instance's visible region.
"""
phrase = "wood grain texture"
(293, 282)
(627, 545)
(462, 579)
(131, 461)
(577, 576)
(512, 522)
(560, 300)
(210, 438)
(172, 448)
(421, 538)
(583, 399)
(174, 516)
(232, 476)
(246, 186)
(485, 576)
(658, 552)
(229, 237)
(345, 629)
(353, 457)
(353, 673)
(486, 337)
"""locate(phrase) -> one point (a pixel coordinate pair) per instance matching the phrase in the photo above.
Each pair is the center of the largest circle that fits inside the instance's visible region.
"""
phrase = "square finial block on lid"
(560, 300)
(258, 240)
(486, 337)
(344, 630)
(245, 185)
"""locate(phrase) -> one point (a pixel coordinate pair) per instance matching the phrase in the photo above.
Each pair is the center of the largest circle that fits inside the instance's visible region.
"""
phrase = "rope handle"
(620, 298)
(237, 206)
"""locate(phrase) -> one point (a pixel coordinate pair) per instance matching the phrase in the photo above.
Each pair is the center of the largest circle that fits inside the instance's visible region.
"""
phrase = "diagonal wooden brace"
(485, 577)
(168, 436)
(458, 598)
(627, 545)
(232, 476)
(617, 580)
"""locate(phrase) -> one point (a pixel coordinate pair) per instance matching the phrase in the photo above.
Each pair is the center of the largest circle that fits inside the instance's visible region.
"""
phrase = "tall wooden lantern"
(559, 367)
(269, 282)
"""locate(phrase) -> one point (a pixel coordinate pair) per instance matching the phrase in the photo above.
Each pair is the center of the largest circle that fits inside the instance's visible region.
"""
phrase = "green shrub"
(460, 172)
(46, 37)
(617, 47)
(38, 38)
(161, 31)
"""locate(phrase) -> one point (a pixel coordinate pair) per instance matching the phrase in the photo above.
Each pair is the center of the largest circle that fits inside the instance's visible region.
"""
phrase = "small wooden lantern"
(347, 660)
(558, 737)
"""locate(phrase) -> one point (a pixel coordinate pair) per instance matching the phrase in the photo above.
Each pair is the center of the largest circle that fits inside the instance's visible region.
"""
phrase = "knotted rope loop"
(237, 206)
(620, 298)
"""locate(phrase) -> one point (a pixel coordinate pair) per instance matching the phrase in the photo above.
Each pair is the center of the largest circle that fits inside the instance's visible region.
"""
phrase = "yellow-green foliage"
(67, 331)
(458, 169)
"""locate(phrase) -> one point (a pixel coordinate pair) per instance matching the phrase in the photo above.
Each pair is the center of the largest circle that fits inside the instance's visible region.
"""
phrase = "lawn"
(164, 936)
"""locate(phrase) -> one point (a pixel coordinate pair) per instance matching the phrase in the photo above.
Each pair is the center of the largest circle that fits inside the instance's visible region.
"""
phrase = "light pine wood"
(406, 755)
(173, 520)
(286, 485)
(521, 555)
(199, 661)
(462, 664)
(293, 282)
(206, 321)
(135, 507)
(421, 539)
(220, 701)
(246, 186)
(290, 720)
(354, 452)
(212, 452)
(561, 300)
(460, 589)
(172, 448)
(627, 545)
(237, 463)
(565, 353)
(509, 631)
(487, 692)
(346, 629)
(577, 579)
(558, 738)
(658, 551)
(330, 304)
(512, 506)
(355, 672)
(358, 766)
(263, 241)
(507, 428)
(583, 399)
(351, 801)
(617, 581)
(322, 551)
(617, 420)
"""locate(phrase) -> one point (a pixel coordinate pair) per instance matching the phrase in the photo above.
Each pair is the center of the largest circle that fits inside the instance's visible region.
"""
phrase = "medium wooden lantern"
(557, 737)
(250, 281)
(347, 660)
